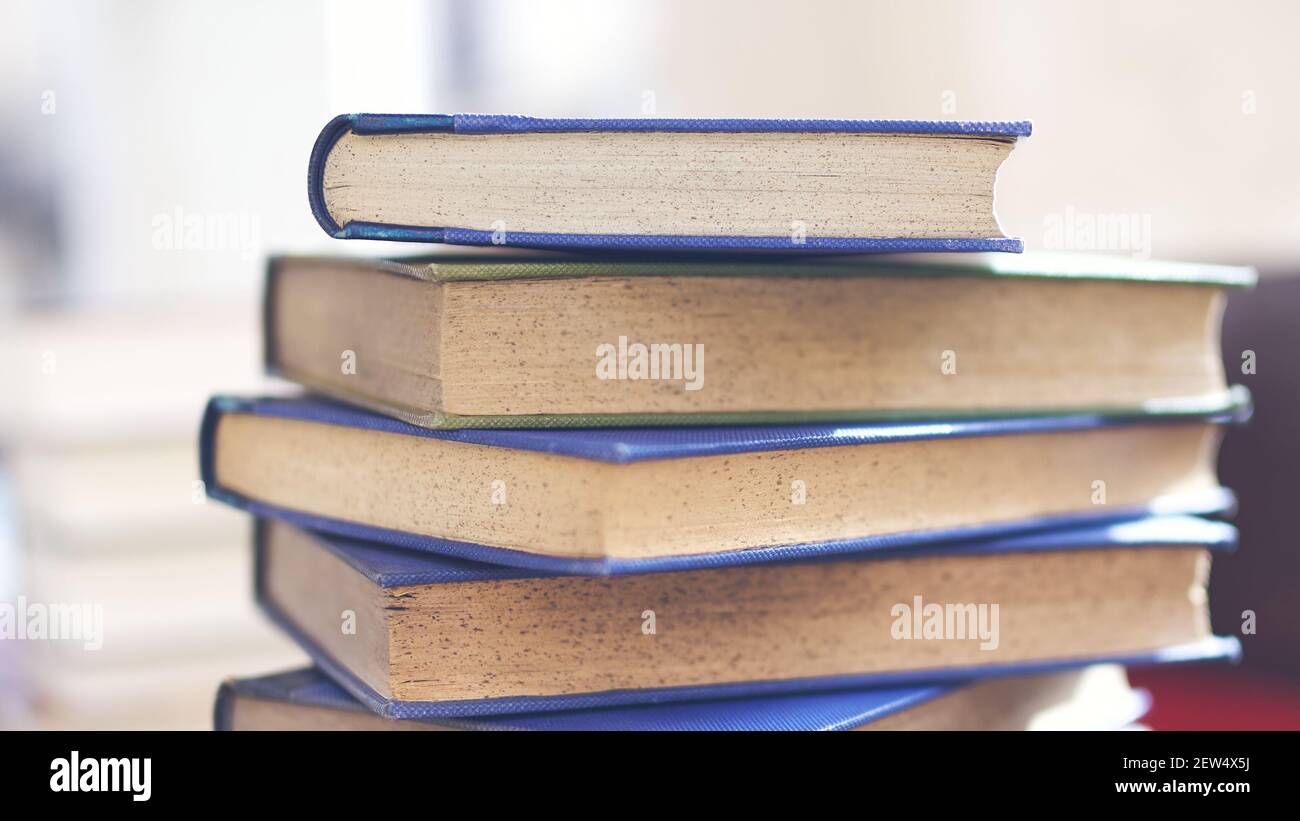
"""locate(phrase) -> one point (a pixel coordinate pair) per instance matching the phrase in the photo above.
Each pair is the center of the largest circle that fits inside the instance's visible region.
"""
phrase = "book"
(415, 635)
(1095, 698)
(610, 500)
(538, 341)
(662, 184)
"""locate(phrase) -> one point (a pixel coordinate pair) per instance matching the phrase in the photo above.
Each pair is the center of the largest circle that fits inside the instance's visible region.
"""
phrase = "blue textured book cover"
(798, 712)
(836, 710)
(394, 567)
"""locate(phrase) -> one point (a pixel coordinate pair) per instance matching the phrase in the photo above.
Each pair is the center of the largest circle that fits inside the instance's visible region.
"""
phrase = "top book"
(663, 184)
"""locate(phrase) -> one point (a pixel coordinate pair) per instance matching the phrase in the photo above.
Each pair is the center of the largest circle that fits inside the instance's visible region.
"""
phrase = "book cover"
(797, 712)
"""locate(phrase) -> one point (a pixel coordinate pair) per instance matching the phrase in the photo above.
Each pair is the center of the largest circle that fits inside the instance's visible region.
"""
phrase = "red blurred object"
(1218, 698)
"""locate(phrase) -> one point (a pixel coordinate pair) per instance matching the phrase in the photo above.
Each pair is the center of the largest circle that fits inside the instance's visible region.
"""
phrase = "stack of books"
(730, 466)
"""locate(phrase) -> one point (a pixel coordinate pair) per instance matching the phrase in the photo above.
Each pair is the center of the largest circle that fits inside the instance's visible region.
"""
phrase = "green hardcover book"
(555, 341)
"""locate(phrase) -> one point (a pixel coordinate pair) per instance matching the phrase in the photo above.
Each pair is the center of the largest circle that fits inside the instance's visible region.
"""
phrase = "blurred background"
(153, 151)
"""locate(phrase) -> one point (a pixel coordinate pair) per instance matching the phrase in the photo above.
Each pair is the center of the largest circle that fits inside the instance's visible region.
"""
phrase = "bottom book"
(1092, 698)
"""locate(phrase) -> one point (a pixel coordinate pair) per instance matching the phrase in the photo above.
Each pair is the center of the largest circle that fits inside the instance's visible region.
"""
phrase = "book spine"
(329, 135)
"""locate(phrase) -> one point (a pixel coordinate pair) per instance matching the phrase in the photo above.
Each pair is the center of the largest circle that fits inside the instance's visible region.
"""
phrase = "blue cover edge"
(325, 141)
(1152, 532)
(635, 444)
(517, 124)
(301, 686)
(673, 242)
(1218, 501)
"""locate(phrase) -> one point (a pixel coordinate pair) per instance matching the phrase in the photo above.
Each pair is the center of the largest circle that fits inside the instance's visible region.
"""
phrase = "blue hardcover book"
(613, 501)
(1095, 698)
(415, 635)
(662, 184)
